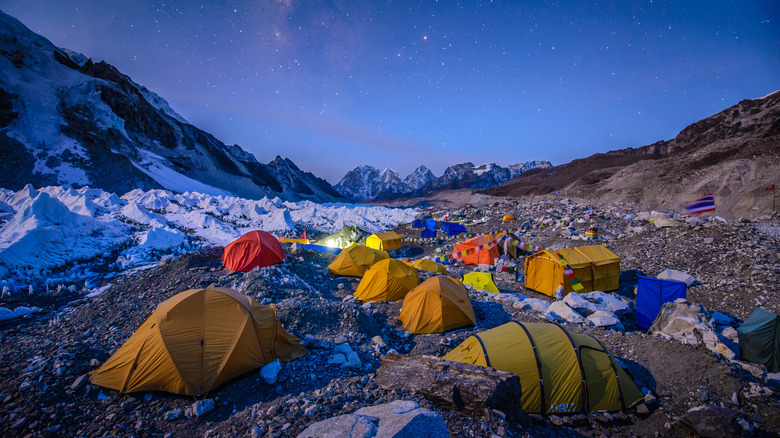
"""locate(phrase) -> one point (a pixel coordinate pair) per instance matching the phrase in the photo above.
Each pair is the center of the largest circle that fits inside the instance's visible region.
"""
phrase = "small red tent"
(253, 249)
(484, 255)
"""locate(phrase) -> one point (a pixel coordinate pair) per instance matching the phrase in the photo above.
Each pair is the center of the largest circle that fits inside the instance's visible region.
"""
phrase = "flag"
(701, 205)
(772, 187)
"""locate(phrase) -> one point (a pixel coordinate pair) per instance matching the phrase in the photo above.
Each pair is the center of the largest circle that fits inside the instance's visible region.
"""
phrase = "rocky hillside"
(65, 119)
(733, 154)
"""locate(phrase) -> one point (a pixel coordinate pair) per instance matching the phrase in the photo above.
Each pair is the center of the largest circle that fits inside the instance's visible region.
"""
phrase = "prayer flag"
(701, 205)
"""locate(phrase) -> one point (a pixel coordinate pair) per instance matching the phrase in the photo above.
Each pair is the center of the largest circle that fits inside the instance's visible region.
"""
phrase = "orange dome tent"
(437, 305)
(430, 266)
(253, 249)
(355, 261)
(477, 254)
(387, 280)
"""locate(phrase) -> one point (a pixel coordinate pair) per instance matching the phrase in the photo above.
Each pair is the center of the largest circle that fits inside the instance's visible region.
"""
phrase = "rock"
(709, 421)
(25, 385)
(453, 385)
(612, 303)
(173, 414)
(339, 339)
(201, 407)
(730, 333)
(94, 363)
(666, 223)
(579, 303)
(270, 372)
(601, 318)
(379, 341)
(353, 361)
(703, 395)
(642, 409)
(556, 420)
(689, 323)
(346, 426)
(671, 274)
(79, 382)
(295, 249)
(560, 311)
(18, 423)
(402, 418)
(337, 359)
(535, 304)
(734, 399)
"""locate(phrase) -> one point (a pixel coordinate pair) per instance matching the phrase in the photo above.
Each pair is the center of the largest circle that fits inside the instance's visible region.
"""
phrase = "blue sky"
(335, 84)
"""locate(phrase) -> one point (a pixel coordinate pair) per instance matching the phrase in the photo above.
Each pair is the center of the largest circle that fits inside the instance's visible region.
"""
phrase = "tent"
(561, 372)
(253, 249)
(430, 266)
(507, 218)
(452, 228)
(418, 223)
(759, 339)
(596, 268)
(343, 238)
(387, 280)
(480, 281)
(197, 340)
(651, 294)
(384, 241)
(506, 245)
(430, 224)
(355, 261)
(477, 256)
(437, 305)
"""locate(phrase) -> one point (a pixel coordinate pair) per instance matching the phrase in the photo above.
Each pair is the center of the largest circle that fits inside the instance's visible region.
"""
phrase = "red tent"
(253, 249)
(484, 256)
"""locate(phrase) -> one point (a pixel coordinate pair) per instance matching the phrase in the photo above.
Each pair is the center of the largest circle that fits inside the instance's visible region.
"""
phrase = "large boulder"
(689, 323)
(561, 311)
(709, 421)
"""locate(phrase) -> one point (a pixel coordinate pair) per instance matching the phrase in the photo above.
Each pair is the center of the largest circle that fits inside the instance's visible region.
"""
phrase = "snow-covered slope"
(67, 120)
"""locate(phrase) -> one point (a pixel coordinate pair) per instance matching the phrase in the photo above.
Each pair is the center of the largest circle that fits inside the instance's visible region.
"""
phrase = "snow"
(171, 179)
(19, 311)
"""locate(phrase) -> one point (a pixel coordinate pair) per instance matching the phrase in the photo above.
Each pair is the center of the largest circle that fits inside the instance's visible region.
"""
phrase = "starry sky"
(337, 83)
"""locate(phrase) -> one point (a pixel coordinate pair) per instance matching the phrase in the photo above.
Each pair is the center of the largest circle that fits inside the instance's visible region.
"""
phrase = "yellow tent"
(561, 372)
(384, 241)
(481, 281)
(355, 261)
(430, 266)
(197, 340)
(508, 217)
(438, 304)
(596, 267)
(387, 280)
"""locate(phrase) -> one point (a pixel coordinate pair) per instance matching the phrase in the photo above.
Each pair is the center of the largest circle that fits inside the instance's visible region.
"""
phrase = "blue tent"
(651, 294)
(418, 223)
(428, 234)
(452, 228)
(430, 224)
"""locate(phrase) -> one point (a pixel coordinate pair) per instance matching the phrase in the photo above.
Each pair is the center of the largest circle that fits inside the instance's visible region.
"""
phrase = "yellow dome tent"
(384, 241)
(355, 261)
(430, 266)
(387, 280)
(480, 281)
(439, 304)
(596, 267)
(508, 217)
(197, 340)
(561, 372)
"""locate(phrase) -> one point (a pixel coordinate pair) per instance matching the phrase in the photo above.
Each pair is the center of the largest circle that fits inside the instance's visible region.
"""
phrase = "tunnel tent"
(480, 281)
(561, 372)
(384, 241)
(355, 260)
(651, 294)
(594, 266)
(439, 304)
(197, 340)
(387, 280)
(342, 238)
(759, 339)
(255, 249)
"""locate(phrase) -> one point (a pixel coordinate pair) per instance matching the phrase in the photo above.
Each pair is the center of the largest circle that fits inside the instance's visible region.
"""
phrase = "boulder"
(601, 318)
(535, 304)
(689, 323)
(709, 421)
(560, 311)
(610, 302)
(671, 274)
(666, 223)
(270, 372)
(346, 426)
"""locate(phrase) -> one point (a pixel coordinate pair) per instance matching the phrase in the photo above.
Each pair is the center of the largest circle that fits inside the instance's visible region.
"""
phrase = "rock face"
(689, 323)
(65, 119)
(710, 421)
(454, 385)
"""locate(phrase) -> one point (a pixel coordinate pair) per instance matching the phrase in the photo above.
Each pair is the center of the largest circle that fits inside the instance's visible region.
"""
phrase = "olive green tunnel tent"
(759, 339)
(342, 238)
(561, 372)
(197, 340)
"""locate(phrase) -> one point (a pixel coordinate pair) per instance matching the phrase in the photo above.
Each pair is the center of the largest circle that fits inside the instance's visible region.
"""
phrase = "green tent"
(759, 339)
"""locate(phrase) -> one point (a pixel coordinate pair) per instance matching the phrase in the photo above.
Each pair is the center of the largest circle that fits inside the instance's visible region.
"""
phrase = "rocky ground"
(44, 357)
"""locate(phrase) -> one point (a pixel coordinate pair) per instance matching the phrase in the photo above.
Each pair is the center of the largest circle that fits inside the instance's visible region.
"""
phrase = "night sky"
(334, 84)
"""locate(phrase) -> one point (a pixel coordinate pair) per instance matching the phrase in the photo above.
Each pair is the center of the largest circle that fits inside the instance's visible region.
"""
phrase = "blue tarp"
(418, 223)
(452, 228)
(428, 234)
(651, 294)
(430, 224)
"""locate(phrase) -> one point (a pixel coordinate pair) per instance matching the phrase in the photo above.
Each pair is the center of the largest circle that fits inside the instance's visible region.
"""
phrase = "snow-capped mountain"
(65, 119)
(367, 183)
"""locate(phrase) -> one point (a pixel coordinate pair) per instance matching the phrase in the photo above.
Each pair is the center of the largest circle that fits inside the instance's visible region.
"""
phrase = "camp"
(594, 266)
(197, 340)
(759, 339)
(384, 241)
(418, 223)
(651, 294)
(561, 372)
(476, 256)
(387, 280)
(480, 281)
(439, 304)
(452, 228)
(430, 266)
(253, 249)
(355, 261)
(343, 238)
(507, 218)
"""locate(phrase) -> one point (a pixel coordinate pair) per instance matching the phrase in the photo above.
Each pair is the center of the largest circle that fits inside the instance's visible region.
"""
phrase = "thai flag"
(701, 205)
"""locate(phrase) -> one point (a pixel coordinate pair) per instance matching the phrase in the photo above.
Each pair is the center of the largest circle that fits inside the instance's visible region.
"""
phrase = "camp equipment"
(759, 339)
(384, 241)
(253, 249)
(437, 305)
(430, 224)
(507, 218)
(561, 372)
(480, 281)
(477, 250)
(452, 228)
(355, 261)
(387, 280)
(430, 266)
(343, 238)
(594, 266)
(197, 340)
(418, 223)
(651, 294)
(427, 234)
